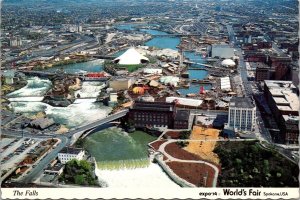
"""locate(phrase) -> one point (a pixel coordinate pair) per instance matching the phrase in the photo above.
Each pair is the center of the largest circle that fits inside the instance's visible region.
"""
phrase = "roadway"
(261, 132)
(35, 172)
(65, 140)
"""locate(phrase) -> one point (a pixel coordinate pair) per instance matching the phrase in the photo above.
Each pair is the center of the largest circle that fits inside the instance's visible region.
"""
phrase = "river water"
(79, 113)
(122, 160)
(90, 66)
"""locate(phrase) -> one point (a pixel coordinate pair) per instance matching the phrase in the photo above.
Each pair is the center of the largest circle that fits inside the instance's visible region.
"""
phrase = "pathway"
(171, 158)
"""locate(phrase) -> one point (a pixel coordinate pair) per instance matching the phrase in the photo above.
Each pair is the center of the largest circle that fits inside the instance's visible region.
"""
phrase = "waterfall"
(90, 89)
(35, 87)
(83, 111)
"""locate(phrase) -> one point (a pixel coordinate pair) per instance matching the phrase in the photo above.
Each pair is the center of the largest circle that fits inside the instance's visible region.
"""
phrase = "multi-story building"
(159, 114)
(242, 114)
(69, 153)
(262, 73)
(282, 67)
(15, 42)
(152, 114)
(182, 119)
(283, 100)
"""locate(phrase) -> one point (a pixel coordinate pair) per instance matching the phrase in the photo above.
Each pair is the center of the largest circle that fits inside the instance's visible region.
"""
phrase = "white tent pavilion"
(131, 57)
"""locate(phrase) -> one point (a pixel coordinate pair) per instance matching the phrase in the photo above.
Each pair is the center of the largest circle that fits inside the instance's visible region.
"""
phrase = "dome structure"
(138, 90)
(228, 63)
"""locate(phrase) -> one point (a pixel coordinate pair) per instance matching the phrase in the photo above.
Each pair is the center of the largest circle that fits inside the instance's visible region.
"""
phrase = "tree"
(79, 179)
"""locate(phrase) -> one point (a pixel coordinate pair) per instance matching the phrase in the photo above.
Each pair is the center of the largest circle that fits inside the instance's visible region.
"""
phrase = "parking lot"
(15, 151)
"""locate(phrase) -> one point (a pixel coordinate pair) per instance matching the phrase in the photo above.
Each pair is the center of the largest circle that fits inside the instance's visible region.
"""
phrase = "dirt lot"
(194, 173)
(174, 150)
(172, 135)
(204, 149)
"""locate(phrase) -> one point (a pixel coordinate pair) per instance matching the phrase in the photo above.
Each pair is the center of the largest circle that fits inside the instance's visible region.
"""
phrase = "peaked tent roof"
(131, 57)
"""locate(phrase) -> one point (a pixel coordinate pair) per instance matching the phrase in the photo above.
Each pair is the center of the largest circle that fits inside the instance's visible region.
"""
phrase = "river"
(122, 160)
(79, 113)
(90, 66)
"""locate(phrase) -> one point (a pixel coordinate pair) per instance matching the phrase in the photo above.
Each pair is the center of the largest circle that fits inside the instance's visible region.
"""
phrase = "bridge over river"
(66, 139)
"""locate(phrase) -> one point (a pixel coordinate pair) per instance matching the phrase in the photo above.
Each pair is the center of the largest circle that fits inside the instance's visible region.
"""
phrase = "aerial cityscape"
(149, 93)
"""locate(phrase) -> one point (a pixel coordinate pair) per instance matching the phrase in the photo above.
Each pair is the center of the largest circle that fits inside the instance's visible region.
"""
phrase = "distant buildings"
(15, 42)
(75, 28)
(225, 83)
(242, 114)
(283, 101)
(69, 153)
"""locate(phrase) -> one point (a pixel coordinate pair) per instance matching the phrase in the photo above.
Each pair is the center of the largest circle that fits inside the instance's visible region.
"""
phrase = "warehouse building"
(283, 101)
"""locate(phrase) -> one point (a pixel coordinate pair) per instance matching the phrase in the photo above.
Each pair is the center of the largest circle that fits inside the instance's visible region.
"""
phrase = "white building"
(242, 114)
(69, 153)
(225, 83)
(15, 42)
(185, 101)
(153, 71)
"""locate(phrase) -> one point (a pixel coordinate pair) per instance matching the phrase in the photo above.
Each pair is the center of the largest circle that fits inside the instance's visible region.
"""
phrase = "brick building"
(152, 114)
(158, 114)
(283, 101)
(182, 119)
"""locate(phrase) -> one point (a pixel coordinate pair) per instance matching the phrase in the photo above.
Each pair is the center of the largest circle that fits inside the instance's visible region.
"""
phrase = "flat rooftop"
(71, 150)
(284, 94)
(241, 102)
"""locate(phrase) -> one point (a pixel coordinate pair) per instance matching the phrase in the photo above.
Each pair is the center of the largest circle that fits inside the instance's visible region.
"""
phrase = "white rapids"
(149, 177)
(81, 112)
